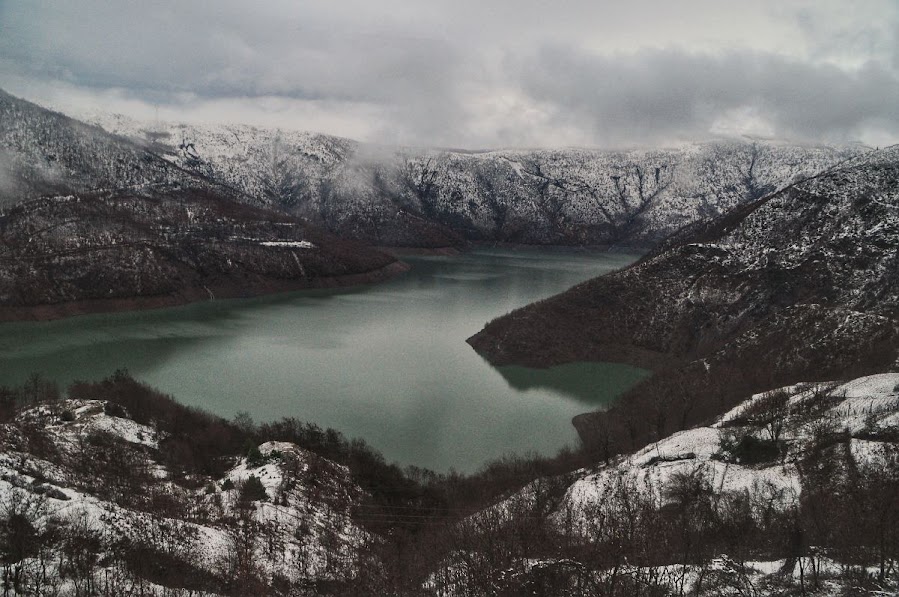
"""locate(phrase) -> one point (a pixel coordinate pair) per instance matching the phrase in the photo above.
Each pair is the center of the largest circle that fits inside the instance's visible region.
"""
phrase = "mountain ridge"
(430, 197)
(94, 222)
(813, 263)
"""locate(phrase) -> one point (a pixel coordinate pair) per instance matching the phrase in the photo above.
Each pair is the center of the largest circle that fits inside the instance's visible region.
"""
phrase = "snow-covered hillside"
(404, 196)
(783, 421)
(569, 196)
(102, 512)
(90, 221)
(796, 488)
(800, 284)
(46, 153)
(777, 495)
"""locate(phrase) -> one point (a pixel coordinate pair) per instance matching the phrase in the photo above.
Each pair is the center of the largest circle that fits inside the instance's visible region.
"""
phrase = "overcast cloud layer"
(467, 73)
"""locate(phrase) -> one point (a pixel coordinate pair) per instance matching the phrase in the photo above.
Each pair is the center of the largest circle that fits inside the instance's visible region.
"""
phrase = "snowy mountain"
(95, 222)
(46, 153)
(799, 284)
(158, 215)
(413, 196)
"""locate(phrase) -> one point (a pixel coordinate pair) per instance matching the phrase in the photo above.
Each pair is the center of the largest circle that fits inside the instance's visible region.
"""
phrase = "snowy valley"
(449, 298)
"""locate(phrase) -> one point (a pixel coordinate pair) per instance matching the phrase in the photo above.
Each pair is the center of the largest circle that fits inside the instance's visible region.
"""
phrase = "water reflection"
(588, 383)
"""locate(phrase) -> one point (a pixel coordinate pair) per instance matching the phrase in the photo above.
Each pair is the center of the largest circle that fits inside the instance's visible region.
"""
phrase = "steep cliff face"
(95, 222)
(418, 197)
(811, 271)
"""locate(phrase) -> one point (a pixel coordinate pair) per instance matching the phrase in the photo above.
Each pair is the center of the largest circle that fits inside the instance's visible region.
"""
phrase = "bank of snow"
(85, 466)
(756, 453)
(864, 404)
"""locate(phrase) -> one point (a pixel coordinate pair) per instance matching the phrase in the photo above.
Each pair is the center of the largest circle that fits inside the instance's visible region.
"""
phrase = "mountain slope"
(100, 499)
(95, 222)
(812, 270)
(118, 489)
(47, 153)
(421, 197)
(795, 490)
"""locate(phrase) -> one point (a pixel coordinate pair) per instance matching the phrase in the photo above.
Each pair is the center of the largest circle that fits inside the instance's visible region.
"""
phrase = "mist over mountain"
(95, 222)
(399, 196)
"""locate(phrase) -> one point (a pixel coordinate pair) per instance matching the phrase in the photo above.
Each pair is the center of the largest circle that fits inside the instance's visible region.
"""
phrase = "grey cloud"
(831, 33)
(212, 49)
(208, 51)
(895, 44)
(467, 73)
(653, 96)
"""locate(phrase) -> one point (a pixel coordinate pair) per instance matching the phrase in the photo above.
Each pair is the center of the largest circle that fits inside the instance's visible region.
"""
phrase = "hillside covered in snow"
(116, 489)
(429, 197)
(101, 507)
(94, 222)
(794, 491)
(801, 284)
(121, 214)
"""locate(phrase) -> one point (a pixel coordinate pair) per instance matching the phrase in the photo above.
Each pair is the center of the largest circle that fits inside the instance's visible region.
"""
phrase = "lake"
(387, 363)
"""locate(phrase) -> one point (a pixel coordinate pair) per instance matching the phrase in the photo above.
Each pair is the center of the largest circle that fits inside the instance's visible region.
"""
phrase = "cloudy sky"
(471, 73)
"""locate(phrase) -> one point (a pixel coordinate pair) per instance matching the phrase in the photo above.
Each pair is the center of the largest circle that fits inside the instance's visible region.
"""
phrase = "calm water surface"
(387, 363)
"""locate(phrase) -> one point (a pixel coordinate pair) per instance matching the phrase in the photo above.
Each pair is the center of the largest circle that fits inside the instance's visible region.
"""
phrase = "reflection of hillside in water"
(593, 384)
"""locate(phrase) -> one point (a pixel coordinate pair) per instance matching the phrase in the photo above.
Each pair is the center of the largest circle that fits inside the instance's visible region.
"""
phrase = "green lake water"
(387, 363)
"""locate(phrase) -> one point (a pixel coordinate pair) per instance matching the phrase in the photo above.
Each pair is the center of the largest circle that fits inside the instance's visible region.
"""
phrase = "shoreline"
(398, 252)
(454, 250)
(598, 248)
(230, 289)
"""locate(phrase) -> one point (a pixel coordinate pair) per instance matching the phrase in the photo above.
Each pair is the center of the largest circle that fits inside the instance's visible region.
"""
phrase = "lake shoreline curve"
(224, 289)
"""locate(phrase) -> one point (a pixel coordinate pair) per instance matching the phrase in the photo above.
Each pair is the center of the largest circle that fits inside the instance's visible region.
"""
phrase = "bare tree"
(81, 545)
(240, 567)
(19, 538)
(281, 180)
(419, 179)
(488, 179)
